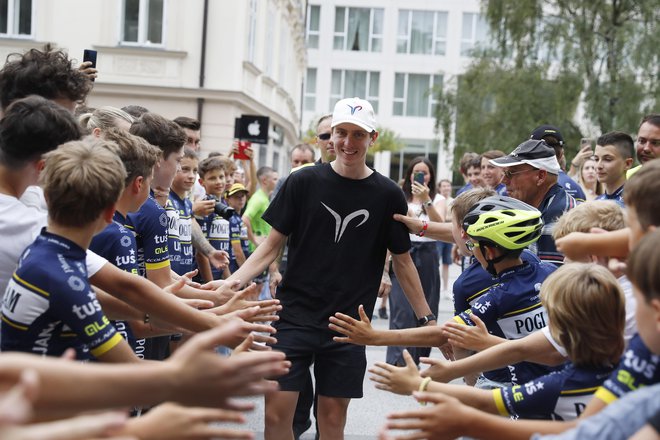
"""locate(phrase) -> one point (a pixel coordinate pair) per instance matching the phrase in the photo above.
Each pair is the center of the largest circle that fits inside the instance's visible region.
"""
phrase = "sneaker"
(382, 313)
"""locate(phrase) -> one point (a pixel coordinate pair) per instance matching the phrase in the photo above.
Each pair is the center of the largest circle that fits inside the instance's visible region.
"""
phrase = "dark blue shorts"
(338, 368)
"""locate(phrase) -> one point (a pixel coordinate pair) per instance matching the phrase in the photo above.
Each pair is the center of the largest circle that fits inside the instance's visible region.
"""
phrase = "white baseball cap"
(355, 111)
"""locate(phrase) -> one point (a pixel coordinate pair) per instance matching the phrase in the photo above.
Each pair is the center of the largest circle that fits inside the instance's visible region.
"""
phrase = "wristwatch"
(427, 204)
(424, 320)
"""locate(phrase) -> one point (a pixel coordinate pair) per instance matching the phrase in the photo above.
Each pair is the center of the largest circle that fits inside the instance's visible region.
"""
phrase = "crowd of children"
(121, 246)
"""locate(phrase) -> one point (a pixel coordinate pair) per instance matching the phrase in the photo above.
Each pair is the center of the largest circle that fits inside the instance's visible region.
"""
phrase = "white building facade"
(391, 52)
(249, 59)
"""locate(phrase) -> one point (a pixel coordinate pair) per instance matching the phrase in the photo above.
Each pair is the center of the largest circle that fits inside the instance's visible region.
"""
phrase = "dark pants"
(426, 259)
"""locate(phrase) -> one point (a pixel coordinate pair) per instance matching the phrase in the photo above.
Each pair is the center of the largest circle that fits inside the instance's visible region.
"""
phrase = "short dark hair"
(46, 73)
(33, 126)
(210, 164)
(465, 160)
(189, 153)
(159, 132)
(623, 143)
(189, 123)
(135, 110)
(651, 118)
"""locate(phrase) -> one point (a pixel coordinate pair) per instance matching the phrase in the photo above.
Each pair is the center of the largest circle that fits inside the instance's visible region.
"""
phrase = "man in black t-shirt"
(338, 218)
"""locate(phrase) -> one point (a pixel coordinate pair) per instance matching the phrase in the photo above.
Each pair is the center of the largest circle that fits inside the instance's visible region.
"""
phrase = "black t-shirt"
(339, 230)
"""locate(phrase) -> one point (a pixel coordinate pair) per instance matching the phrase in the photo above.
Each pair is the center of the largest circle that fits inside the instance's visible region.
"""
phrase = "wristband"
(423, 385)
(425, 226)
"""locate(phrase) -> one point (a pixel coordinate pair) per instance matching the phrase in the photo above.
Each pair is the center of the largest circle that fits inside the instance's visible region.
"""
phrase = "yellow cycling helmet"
(505, 222)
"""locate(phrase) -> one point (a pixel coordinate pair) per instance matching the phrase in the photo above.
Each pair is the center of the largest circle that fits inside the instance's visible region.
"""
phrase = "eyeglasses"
(655, 143)
(323, 136)
(470, 245)
(508, 174)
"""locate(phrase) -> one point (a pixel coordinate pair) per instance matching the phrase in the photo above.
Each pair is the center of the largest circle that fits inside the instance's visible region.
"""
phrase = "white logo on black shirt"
(341, 225)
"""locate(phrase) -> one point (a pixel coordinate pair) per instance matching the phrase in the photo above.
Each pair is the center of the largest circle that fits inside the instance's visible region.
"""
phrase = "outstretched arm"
(362, 333)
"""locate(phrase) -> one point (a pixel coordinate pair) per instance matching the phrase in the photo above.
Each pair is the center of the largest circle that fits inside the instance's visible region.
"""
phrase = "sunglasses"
(508, 174)
(470, 245)
(323, 136)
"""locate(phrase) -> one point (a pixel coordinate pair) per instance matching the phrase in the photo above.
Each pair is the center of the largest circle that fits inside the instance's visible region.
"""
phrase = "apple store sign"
(252, 128)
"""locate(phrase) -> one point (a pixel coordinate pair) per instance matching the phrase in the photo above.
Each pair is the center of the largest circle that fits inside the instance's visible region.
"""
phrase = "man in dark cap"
(531, 173)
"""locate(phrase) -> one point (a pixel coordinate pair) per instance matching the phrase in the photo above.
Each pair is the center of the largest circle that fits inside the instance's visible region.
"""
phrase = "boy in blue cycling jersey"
(499, 229)
(586, 310)
(49, 305)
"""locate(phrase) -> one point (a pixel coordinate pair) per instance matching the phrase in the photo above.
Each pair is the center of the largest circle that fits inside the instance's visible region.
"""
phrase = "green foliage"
(611, 44)
(387, 140)
(546, 56)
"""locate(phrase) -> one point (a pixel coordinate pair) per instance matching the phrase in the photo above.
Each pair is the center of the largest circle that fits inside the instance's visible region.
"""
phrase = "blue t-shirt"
(560, 395)
(555, 203)
(179, 234)
(237, 234)
(149, 225)
(638, 367)
(49, 305)
(512, 309)
(571, 187)
(616, 196)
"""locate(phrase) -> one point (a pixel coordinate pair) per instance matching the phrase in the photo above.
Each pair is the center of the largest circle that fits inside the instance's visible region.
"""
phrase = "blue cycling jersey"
(512, 309)
(638, 367)
(571, 187)
(149, 224)
(616, 196)
(554, 204)
(217, 232)
(237, 234)
(179, 235)
(469, 286)
(49, 305)
(560, 395)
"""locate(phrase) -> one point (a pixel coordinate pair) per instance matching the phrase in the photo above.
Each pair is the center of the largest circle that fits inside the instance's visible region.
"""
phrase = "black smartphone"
(419, 178)
(90, 55)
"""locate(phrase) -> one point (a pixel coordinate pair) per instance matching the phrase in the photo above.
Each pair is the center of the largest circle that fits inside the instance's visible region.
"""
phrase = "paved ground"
(366, 415)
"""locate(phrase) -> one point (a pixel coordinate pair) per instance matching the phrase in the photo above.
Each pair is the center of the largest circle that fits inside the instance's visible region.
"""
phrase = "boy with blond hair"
(51, 307)
(586, 310)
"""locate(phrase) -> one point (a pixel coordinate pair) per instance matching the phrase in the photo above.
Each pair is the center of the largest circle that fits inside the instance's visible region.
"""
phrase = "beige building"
(211, 59)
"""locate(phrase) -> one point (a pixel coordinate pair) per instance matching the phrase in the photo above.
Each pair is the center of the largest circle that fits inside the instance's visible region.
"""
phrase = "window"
(350, 83)
(310, 89)
(475, 32)
(413, 94)
(358, 29)
(313, 26)
(252, 31)
(16, 18)
(143, 22)
(271, 23)
(422, 32)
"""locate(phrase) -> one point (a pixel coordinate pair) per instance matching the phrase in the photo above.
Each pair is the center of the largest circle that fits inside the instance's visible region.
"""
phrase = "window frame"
(473, 40)
(434, 79)
(310, 94)
(374, 100)
(143, 28)
(13, 24)
(309, 32)
(344, 33)
(436, 39)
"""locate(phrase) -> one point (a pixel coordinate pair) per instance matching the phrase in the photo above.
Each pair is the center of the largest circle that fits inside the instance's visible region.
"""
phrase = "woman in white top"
(423, 202)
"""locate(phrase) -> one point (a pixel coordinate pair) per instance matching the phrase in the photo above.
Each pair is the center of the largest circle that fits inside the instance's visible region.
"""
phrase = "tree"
(611, 44)
(547, 56)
